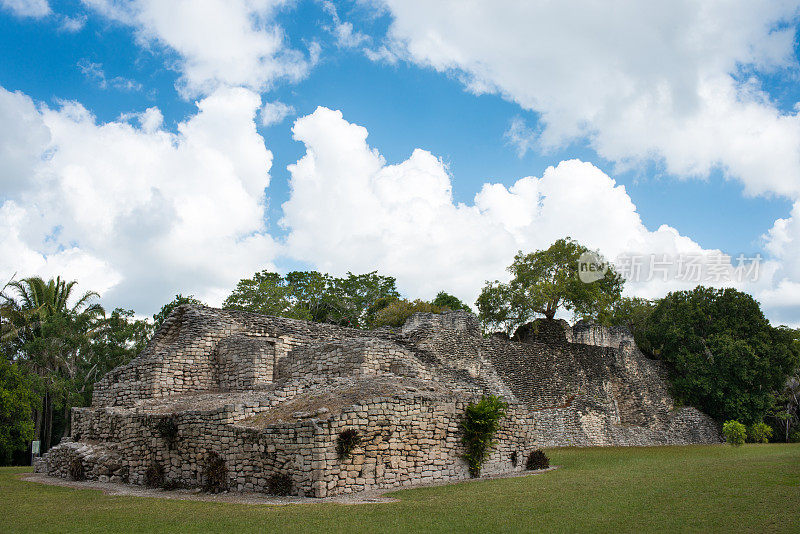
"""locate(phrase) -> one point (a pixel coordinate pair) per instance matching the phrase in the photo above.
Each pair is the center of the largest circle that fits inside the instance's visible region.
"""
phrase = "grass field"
(754, 488)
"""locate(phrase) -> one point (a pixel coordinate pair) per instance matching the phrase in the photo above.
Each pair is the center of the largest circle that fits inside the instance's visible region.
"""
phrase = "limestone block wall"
(181, 356)
(251, 456)
(409, 440)
(463, 322)
(257, 391)
(351, 357)
(242, 361)
(406, 439)
(600, 336)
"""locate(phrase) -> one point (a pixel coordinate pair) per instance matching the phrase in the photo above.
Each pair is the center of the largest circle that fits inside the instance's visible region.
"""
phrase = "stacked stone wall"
(271, 395)
(404, 440)
(351, 357)
(182, 355)
(242, 362)
(410, 440)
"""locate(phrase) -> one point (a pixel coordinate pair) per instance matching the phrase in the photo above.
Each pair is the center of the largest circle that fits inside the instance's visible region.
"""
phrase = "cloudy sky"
(150, 147)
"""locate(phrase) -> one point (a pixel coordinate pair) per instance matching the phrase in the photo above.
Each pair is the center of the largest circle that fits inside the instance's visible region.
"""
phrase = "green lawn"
(754, 488)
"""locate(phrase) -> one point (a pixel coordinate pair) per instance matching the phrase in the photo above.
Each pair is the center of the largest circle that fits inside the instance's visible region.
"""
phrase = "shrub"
(794, 436)
(346, 442)
(537, 460)
(481, 422)
(76, 470)
(735, 432)
(398, 311)
(280, 484)
(215, 473)
(168, 429)
(759, 433)
(154, 475)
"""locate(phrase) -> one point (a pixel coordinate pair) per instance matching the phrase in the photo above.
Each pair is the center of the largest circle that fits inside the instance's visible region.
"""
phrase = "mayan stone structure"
(271, 397)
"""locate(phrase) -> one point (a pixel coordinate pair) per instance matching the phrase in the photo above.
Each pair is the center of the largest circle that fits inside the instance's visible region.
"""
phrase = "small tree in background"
(543, 282)
(481, 423)
(446, 300)
(18, 398)
(166, 309)
(759, 433)
(397, 312)
(735, 432)
(723, 355)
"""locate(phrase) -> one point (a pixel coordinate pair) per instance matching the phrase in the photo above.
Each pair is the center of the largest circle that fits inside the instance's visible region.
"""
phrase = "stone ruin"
(270, 397)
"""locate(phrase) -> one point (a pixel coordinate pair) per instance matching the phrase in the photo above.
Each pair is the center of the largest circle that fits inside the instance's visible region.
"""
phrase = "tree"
(48, 337)
(446, 300)
(724, 356)
(544, 282)
(117, 339)
(631, 313)
(17, 398)
(166, 309)
(500, 308)
(398, 312)
(352, 300)
(266, 293)
(785, 416)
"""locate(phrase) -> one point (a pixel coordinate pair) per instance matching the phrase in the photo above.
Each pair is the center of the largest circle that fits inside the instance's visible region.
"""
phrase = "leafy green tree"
(352, 300)
(116, 340)
(446, 300)
(785, 416)
(398, 312)
(723, 355)
(544, 282)
(500, 308)
(17, 398)
(266, 293)
(735, 433)
(48, 336)
(480, 425)
(361, 293)
(759, 433)
(631, 313)
(166, 309)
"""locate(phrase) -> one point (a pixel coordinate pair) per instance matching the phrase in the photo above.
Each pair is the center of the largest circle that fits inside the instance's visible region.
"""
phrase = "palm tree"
(49, 335)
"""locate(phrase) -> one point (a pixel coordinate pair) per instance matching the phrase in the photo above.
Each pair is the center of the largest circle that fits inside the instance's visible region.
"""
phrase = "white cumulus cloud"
(351, 210)
(27, 8)
(134, 211)
(218, 42)
(275, 113)
(667, 81)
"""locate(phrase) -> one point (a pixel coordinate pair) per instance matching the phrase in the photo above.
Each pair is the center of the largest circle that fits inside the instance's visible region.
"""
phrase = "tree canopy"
(544, 282)
(166, 309)
(397, 312)
(64, 342)
(352, 300)
(18, 396)
(724, 356)
(446, 300)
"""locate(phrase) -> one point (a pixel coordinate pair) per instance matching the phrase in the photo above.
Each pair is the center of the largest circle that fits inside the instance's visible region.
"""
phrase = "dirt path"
(364, 497)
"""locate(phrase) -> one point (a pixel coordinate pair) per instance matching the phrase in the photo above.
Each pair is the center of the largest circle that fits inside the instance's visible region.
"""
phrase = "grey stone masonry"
(272, 397)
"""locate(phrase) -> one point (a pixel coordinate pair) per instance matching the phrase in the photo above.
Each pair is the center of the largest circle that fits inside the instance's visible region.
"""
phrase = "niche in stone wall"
(241, 362)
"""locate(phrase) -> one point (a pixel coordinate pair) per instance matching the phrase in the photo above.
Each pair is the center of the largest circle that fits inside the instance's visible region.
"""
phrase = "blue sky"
(414, 78)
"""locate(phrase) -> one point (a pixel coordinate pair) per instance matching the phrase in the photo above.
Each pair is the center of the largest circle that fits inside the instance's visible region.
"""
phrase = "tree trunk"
(37, 423)
(67, 421)
(46, 429)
